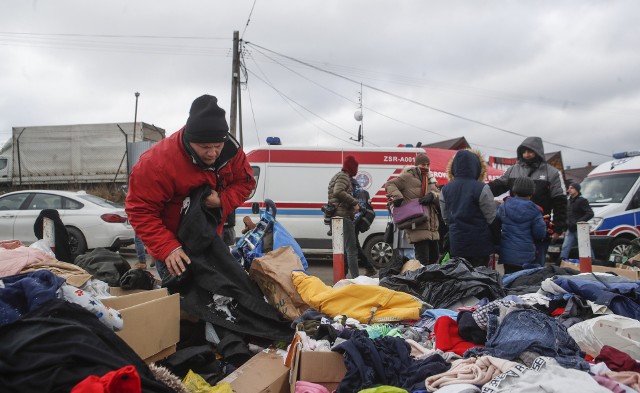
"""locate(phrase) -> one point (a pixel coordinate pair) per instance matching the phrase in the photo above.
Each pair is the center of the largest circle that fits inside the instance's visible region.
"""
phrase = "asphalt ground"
(319, 265)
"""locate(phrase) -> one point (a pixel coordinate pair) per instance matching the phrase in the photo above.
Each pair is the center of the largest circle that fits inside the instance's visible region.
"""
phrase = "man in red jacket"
(202, 152)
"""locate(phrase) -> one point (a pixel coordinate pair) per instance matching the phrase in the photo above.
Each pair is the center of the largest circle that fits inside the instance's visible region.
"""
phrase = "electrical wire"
(288, 100)
(422, 104)
(248, 19)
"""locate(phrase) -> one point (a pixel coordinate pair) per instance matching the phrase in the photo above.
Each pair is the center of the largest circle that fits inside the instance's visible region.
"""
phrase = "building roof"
(450, 144)
(577, 175)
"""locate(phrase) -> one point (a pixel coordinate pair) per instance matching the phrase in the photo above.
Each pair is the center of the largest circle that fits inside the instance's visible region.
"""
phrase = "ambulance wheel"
(619, 246)
(378, 252)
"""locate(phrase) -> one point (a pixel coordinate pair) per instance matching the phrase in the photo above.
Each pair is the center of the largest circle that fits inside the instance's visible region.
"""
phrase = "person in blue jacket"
(523, 228)
(468, 208)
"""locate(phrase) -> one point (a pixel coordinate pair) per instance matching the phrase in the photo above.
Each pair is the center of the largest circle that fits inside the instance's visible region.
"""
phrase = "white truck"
(73, 154)
(613, 192)
(296, 179)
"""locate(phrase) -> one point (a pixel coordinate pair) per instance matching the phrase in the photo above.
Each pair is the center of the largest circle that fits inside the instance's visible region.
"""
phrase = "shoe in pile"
(140, 265)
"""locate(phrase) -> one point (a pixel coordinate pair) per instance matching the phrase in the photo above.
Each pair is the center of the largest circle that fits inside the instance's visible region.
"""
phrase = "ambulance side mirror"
(255, 208)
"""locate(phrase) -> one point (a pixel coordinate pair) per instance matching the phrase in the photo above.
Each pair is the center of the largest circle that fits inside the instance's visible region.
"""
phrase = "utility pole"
(235, 84)
(135, 116)
(358, 116)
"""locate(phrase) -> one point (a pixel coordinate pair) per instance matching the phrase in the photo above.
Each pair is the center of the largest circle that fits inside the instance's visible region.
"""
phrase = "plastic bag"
(43, 246)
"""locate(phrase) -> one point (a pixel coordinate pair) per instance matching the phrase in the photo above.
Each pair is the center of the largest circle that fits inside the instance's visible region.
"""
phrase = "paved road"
(319, 266)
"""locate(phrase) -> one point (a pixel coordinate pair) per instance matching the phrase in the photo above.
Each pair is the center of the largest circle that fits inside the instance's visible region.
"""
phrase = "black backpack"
(365, 216)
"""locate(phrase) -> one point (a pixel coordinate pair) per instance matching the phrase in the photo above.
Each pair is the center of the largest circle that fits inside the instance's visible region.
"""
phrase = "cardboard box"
(117, 291)
(263, 373)
(324, 368)
(631, 274)
(151, 322)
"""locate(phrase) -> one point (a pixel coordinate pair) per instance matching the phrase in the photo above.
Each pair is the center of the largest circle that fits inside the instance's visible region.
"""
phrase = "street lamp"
(135, 116)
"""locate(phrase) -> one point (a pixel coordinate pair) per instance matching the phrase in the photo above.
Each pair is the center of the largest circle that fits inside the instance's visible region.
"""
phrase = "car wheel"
(619, 246)
(378, 252)
(77, 242)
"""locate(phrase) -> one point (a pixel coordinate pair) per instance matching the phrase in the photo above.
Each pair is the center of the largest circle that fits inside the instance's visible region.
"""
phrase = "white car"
(91, 221)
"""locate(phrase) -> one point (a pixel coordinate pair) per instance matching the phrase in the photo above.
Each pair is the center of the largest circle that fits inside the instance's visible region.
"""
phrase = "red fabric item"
(447, 338)
(161, 180)
(557, 311)
(617, 360)
(124, 380)
(350, 165)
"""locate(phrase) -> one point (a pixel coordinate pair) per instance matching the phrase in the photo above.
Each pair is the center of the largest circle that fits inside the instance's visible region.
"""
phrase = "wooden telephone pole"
(235, 87)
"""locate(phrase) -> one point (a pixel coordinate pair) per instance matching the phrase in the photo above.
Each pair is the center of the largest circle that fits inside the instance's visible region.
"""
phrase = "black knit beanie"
(523, 186)
(206, 122)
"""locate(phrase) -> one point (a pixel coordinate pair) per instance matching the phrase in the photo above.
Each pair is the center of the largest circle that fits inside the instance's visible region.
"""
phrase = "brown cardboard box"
(324, 368)
(631, 274)
(151, 322)
(263, 373)
(117, 291)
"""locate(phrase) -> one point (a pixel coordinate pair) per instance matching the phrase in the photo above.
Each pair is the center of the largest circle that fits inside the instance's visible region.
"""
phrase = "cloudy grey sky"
(491, 71)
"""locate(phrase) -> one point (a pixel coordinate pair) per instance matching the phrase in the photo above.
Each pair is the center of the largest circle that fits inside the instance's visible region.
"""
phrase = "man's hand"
(213, 200)
(176, 262)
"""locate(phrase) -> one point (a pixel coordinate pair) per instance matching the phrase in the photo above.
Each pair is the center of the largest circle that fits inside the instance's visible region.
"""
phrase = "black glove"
(427, 199)
(397, 202)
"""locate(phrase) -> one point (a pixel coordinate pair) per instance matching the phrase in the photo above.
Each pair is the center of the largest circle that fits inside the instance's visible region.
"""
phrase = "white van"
(613, 191)
(296, 179)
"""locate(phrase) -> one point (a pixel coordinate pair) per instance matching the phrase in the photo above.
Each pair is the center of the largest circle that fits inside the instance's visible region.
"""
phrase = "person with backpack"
(362, 222)
(340, 195)
(418, 182)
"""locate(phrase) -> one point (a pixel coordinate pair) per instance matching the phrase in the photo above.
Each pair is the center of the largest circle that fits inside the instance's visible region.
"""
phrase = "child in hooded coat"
(523, 227)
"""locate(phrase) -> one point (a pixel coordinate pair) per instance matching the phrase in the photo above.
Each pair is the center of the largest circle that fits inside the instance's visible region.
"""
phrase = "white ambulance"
(613, 191)
(296, 179)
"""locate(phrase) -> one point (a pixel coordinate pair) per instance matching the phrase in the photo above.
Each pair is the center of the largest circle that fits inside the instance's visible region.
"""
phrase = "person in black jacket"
(549, 192)
(578, 210)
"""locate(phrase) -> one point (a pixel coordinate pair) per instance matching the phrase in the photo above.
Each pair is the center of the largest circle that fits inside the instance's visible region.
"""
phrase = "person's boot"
(371, 272)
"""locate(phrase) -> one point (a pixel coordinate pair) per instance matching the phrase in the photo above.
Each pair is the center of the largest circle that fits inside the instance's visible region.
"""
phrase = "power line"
(112, 36)
(248, 19)
(288, 100)
(422, 104)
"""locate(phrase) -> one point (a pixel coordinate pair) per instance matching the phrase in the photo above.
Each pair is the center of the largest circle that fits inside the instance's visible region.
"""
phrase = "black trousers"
(427, 252)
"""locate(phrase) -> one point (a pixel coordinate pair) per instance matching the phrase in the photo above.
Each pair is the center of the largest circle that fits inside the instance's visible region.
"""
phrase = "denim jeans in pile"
(533, 331)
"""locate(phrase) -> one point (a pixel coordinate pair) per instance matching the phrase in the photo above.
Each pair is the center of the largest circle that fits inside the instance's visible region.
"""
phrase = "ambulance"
(296, 179)
(613, 192)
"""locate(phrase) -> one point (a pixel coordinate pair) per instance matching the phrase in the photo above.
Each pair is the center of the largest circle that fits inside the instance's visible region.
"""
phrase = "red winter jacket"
(165, 175)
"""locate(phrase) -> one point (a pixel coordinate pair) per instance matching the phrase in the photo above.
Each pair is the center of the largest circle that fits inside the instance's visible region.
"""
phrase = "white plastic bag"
(44, 247)
(616, 331)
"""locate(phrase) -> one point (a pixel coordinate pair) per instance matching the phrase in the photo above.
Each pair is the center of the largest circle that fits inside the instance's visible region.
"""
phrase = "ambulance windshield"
(608, 188)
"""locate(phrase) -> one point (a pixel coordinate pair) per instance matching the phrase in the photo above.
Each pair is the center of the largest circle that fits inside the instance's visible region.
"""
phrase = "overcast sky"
(491, 71)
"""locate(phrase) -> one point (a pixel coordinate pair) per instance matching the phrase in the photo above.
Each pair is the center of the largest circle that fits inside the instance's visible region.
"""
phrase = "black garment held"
(214, 271)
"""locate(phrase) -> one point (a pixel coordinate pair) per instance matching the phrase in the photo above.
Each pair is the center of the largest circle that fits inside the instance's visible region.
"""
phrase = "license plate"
(553, 249)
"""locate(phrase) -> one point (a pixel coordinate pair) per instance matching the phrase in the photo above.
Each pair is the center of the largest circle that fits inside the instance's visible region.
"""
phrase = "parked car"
(91, 221)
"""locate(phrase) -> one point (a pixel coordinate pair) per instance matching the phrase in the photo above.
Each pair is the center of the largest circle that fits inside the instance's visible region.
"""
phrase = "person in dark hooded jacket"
(468, 209)
(549, 191)
(340, 194)
(523, 228)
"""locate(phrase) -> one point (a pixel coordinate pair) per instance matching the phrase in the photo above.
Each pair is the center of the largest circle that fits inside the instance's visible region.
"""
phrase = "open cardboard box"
(631, 274)
(263, 373)
(151, 322)
(323, 368)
